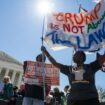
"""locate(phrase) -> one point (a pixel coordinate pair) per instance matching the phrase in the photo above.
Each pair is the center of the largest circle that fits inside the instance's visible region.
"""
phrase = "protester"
(21, 91)
(67, 89)
(34, 94)
(82, 77)
(1, 88)
(57, 96)
(8, 90)
(68, 96)
(49, 99)
(15, 95)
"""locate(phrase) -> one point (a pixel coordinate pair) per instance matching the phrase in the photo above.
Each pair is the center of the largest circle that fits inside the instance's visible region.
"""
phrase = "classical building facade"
(11, 67)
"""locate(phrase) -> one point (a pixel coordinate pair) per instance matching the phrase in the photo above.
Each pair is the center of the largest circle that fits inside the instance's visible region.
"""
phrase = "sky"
(21, 31)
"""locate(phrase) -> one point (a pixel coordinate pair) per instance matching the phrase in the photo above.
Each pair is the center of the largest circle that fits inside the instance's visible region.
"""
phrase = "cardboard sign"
(35, 71)
(84, 31)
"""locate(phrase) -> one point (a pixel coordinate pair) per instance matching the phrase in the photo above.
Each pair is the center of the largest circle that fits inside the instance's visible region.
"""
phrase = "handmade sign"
(84, 31)
(35, 71)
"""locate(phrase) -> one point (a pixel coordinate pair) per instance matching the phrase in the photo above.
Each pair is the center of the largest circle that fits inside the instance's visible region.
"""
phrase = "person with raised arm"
(81, 78)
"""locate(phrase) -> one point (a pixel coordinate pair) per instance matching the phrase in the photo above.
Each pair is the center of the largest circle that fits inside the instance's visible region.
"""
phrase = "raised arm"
(97, 64)
(51, 59)
(101, 59)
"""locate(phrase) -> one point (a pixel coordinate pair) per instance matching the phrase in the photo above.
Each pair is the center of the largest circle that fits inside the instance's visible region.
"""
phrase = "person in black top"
(34, 95)
(68, 96)
(57, 96)
(81, 78)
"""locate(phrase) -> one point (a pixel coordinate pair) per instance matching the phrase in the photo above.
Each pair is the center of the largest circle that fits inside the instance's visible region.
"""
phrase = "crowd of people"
(30, 94)
(9, 94)
(80, 91)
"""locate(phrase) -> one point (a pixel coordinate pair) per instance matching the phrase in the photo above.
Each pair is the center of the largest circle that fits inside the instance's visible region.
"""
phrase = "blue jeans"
(32, 101)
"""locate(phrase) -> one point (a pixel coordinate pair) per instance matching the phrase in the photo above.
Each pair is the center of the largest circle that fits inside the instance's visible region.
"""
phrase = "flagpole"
(43, 70)
(43, 29)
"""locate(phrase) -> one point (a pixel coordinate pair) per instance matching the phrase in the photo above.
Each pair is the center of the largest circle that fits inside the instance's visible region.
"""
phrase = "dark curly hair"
(39, 57)
(79, 54)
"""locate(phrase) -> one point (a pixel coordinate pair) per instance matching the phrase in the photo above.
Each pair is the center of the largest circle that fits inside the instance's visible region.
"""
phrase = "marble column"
(20, 79)
(0, 74)
(0, 70)
(13, 76)
(7, 71)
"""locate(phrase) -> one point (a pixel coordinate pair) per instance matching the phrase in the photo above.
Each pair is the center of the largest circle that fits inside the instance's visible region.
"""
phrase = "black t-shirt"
(57, 96)
(82, 81)
(34, 91)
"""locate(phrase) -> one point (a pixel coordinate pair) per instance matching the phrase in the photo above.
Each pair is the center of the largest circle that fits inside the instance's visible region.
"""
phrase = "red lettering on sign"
(81, 29)
(78, 18)
(66, 27)
(97, 9)
(52, 26)
(90, 18)
(69, 17)
(74, 29)
(59, 17)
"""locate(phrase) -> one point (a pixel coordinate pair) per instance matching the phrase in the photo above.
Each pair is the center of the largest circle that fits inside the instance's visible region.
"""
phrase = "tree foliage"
(101, 93)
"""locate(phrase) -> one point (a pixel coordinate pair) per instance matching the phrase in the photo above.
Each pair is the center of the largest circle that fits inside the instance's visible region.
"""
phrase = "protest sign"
(34, 73)
(83, 31)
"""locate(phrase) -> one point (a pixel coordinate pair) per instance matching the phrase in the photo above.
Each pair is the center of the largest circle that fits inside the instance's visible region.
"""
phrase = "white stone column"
(0, 70)
(0, 74)
(13, 76)
(20, 79)
(7, 71)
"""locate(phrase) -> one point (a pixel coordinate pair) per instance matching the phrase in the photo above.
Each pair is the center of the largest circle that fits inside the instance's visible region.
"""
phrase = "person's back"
(8, 88)
(57, 96)
(81, 78)
(68, 95)
(8, 91)
(34, 91)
